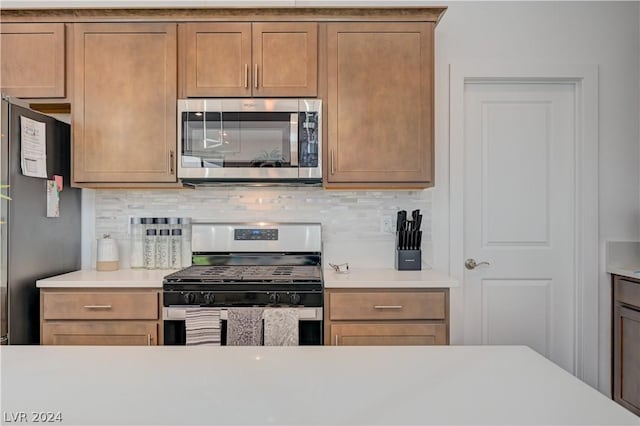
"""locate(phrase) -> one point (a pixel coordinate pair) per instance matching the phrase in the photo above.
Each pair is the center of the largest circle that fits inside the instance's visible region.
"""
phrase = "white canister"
(107, 254)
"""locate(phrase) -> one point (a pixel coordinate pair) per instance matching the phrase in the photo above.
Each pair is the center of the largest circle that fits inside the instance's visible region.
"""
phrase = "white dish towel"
(202, 326)
(281, 327)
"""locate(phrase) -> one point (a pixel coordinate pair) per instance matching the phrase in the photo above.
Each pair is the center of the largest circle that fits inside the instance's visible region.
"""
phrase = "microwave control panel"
(308, 137)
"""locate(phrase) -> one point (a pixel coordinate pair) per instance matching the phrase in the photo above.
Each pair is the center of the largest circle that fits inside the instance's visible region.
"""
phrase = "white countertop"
(356, 278)
(623, 258)
(387, 278)
(122, 278)
(173, 385)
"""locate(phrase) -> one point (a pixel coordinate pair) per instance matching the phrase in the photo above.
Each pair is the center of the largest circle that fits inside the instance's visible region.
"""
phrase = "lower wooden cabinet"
(384, 334)
(131, 333)
(626, 343)
(383, 317)
(101, 316)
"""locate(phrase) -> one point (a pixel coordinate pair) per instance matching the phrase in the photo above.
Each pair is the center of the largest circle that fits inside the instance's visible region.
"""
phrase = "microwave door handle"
(293, 139)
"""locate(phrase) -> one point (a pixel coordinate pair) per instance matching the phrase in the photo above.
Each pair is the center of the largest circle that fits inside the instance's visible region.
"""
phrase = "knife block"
(408, 260)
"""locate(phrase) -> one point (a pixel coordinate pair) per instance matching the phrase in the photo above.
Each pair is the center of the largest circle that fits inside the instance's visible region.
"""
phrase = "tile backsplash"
(352, 220)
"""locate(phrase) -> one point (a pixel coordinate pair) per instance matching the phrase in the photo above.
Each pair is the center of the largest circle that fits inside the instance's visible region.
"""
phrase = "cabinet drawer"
(367, 334)
(387, 306)
(628, 292)
(100, 305)
(104, 333)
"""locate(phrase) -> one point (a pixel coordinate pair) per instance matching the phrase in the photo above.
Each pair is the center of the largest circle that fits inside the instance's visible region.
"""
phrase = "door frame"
(586, 254)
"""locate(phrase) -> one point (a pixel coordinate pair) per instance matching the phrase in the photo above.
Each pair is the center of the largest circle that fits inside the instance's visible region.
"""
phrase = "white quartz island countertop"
(387, 278)
(170, 385)
(122, 278)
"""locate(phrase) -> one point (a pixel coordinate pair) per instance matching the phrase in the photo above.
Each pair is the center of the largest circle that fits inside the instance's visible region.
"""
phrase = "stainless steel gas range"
(249, 265)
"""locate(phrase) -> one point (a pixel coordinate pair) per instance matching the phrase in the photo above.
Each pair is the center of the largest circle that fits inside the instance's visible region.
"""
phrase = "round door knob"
(472, 264)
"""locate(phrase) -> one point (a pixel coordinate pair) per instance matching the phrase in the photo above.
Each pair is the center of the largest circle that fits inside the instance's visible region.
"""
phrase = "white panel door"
(519, 197)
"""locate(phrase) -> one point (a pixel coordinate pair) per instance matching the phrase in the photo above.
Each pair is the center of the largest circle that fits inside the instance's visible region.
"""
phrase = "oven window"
(310, 333)
(236, 139)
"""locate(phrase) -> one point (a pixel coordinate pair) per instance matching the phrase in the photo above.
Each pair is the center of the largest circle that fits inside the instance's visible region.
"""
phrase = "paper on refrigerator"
(33, 147)
(53, 199)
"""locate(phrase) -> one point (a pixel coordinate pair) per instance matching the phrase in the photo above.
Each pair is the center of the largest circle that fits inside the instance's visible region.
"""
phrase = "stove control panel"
(230, 298)
(255, 234)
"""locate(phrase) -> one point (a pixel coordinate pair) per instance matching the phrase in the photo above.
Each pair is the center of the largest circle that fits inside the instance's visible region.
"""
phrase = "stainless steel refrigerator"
(33, 246)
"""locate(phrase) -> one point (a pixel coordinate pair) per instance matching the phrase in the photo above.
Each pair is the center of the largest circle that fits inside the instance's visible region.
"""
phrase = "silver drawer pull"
(98, 306)
(388, 307)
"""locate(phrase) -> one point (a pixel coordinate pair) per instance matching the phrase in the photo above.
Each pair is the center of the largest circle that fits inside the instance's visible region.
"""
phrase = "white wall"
(602, 33)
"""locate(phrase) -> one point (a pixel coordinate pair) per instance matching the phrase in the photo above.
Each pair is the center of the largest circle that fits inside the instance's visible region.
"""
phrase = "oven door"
(247, 139)
(310, 326)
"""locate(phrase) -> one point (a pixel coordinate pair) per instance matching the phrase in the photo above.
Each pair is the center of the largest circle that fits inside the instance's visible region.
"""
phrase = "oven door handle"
(293, 139)
(178, 313)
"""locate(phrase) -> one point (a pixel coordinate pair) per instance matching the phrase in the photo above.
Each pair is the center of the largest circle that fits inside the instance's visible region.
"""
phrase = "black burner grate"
(248, 273)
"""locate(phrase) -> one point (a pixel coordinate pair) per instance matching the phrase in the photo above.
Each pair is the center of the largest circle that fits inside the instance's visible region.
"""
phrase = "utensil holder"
(408, 260)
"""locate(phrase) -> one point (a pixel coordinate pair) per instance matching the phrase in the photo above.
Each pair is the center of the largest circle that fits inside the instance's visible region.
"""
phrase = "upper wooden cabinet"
(274, 59)
(33, 60)
(124, 106)
(379, 82)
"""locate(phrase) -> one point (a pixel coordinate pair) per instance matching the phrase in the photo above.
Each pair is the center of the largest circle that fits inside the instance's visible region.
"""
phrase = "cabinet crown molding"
(318, 14)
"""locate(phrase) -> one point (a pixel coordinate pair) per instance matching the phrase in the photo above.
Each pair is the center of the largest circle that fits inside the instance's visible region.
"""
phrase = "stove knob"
(209, 298)
(295, 298)
(274, 298)
(189, 298)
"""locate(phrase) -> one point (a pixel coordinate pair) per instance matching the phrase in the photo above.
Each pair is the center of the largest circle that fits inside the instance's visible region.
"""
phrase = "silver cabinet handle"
(255, 77)
(148, 340)
(472, 264)
(171, 155)
(337, 344)
(388, 307)
(97, 306)
(332, 167)
(246, 76)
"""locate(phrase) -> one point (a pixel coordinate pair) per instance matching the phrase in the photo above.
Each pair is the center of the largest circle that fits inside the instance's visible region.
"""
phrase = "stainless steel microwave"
(250, 140)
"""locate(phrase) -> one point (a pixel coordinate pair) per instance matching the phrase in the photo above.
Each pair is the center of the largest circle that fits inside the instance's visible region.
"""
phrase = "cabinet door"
(216, 59)
(626, 362)
(124, 110)
(285, 56)
(33, 60)
(385, 334)
(111, 333)
(380, 103)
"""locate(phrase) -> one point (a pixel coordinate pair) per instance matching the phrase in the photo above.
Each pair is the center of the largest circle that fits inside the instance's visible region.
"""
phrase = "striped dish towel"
(202, 326)
(281, 327)
(244, 326)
